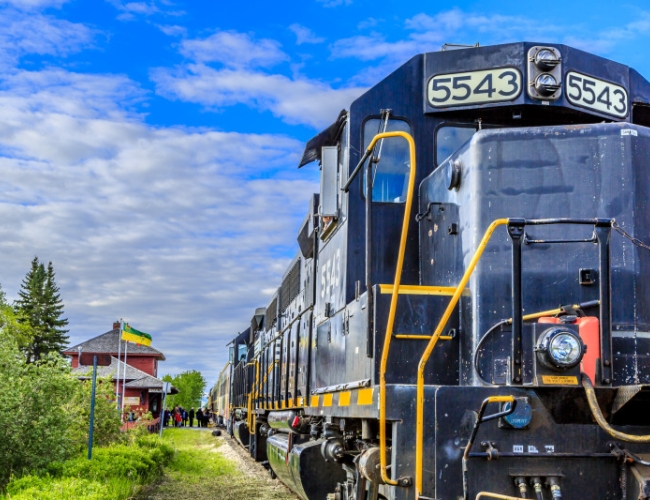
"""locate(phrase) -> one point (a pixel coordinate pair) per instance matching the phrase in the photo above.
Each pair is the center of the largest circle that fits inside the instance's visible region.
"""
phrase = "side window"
(390, 175)
(242, 352)
(334, 164)
(343, 157)
(449, 138)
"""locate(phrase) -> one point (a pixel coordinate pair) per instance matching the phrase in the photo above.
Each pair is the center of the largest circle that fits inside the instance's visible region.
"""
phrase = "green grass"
(116, 488)
(184, 464)
(195, 458)
(198, 470)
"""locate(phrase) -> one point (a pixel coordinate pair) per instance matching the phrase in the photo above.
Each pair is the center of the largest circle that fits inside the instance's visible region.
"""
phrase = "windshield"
(390, 176)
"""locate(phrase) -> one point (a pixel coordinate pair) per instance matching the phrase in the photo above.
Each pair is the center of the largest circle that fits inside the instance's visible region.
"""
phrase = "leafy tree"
(44, 408)
(32, 414)
(190, 385)
(40, 306)
(106, 428)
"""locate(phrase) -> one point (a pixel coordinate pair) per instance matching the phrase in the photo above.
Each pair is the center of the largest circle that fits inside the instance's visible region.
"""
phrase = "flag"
(132, 335)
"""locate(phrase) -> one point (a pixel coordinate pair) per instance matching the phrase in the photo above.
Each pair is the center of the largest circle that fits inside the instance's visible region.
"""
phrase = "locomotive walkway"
(212, 468)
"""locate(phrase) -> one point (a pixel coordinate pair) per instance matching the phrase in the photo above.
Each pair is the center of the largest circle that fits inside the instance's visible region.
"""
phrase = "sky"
(148, 149)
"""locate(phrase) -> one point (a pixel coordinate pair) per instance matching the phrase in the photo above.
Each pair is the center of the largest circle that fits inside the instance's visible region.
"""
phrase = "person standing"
(184, 414)
(192, 417)
(199, 417)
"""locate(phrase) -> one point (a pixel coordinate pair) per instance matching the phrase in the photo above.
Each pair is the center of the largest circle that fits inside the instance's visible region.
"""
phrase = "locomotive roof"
(453, 69)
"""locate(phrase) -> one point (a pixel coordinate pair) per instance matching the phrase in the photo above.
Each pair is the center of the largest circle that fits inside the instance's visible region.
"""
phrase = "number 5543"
(474, 87)
(592, 93)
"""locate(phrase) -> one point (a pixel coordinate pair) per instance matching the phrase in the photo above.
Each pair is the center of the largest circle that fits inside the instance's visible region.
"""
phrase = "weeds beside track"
(212, 468)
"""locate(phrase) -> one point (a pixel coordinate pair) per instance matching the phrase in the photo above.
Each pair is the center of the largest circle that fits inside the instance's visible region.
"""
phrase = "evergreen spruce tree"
(40, 305)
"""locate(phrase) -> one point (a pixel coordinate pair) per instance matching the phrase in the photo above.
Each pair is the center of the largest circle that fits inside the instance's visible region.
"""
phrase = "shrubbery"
(113, 473)
(34, 420)
(44, 417)
(44, 409)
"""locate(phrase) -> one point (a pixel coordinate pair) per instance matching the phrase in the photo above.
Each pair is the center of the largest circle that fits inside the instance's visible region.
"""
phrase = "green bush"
(114, 461)
(44, 409)
(32, 413)
(161, 451)
(107, 424)
(113, 473)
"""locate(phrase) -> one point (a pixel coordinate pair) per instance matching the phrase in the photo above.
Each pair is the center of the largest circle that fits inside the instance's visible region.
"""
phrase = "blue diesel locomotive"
(468, 313)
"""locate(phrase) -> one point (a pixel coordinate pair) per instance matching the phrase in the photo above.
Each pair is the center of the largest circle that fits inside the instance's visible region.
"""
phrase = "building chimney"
(116, 325)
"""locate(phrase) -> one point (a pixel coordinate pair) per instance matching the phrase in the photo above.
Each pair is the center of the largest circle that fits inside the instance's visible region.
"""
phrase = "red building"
(143, 390)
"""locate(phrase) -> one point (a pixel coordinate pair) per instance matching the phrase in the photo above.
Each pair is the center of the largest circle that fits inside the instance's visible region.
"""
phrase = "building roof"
(132, 373)
(135, 378)
(107, 343)
(152, 383)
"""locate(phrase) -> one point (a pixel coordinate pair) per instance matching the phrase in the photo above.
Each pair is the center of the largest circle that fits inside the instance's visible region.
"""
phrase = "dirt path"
(209, 468)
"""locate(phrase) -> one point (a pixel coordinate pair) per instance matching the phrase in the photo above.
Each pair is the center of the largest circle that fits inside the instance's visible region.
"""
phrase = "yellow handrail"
(251, 418)
(422, 337)
(393, 300)
(419, 436)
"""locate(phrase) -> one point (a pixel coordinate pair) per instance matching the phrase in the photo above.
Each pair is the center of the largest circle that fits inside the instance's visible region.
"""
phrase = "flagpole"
(119, 352)
(126, 346)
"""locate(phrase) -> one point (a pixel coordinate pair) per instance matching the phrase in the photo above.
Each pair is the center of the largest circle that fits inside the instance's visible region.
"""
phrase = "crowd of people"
(180, 417)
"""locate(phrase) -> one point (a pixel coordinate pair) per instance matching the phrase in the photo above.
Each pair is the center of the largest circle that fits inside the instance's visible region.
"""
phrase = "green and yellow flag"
(132, 335)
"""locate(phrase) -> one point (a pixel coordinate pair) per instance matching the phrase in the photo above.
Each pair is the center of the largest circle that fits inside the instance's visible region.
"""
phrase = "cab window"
(390, 176)
(449, 139)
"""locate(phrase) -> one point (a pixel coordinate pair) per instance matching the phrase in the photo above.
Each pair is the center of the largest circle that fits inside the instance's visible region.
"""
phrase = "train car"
(219, 398)
(467, 316)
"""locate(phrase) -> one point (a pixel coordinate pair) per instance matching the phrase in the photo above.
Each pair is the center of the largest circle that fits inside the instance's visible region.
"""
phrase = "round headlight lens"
(559, 348)
(546, 84)
(565, 349)
(546, 60)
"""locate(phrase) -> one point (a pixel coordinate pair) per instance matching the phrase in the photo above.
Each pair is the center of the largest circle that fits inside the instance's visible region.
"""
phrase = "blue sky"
(149, 148)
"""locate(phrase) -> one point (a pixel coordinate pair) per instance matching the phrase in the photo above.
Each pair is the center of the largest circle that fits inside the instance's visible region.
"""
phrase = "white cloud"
(172, 30)
(374, 46)
(233, 49)
(56, 37)
(33, 4)
(371, 22)
(605, 41)
(296, 101)
(242, 76)
(132, 10)
(305, 35)
(335, 3)
(425, 33)
(428, 33)
(178, 231)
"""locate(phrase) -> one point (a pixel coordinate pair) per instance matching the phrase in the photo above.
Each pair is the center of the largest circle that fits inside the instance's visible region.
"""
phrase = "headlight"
(559, 348)
(546, 84)
(545, 60)
(544, 73)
